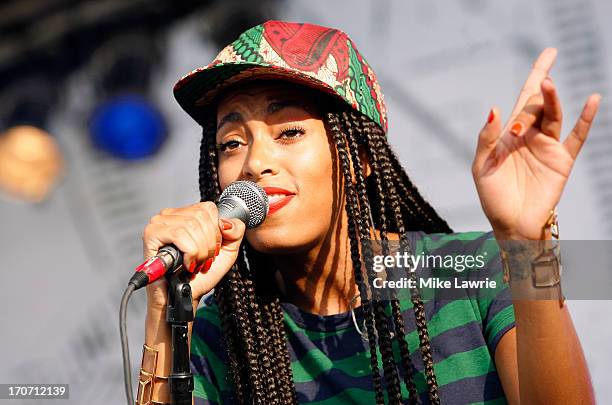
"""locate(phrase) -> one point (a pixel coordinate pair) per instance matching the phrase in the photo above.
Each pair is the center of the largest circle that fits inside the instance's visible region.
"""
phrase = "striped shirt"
(331, 362)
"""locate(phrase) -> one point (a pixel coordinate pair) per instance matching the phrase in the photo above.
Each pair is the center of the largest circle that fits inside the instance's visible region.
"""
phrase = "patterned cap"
(319, 57)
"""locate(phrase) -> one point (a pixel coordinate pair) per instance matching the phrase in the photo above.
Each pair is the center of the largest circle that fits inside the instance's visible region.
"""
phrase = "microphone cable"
(127, 369)
(244, 200)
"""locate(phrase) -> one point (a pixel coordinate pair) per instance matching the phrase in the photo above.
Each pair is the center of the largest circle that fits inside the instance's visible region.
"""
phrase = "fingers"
(193, 229)
(233, 232)
(552, 117)
(540, 70)
(232, 229)
(157, 235)
(574, 141)
(487, 140)
(531, 115)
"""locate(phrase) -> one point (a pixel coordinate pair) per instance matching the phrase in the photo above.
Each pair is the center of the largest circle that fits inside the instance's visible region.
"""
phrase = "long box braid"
(251, 315)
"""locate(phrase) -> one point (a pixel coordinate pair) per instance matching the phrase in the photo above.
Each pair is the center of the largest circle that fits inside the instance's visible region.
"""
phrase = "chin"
(279, 239)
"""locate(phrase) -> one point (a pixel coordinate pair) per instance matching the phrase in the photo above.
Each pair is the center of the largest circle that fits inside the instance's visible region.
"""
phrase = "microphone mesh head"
(254, 197)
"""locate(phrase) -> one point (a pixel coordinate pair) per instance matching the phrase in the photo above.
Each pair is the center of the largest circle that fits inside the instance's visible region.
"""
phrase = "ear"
(365, 162)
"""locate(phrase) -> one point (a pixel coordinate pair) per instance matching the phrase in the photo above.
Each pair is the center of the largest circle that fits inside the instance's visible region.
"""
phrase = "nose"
(260, 160)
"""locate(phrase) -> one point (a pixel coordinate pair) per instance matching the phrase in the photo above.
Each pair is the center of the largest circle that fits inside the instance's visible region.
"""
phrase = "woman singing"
(297, 109)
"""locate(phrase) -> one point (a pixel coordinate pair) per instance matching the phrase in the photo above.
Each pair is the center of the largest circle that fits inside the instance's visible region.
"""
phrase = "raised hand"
(520, 171)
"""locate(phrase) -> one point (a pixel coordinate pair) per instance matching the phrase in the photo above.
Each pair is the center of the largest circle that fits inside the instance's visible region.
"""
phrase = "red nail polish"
(217, 249)
(491, 116)
(192, 267)
(516, 129)
(207, 265)
(226, 224)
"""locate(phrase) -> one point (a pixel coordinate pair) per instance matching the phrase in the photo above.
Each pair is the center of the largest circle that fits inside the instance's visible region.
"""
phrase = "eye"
(292, 133)
(229, 146)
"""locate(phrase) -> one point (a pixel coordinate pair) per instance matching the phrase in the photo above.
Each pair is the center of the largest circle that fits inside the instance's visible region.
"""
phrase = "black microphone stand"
(178, 315)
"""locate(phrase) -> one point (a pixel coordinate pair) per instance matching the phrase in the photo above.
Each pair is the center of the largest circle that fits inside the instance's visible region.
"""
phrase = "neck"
(320, 280)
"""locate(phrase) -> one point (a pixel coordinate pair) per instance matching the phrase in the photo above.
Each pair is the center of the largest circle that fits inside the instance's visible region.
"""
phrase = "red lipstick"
(278, 203)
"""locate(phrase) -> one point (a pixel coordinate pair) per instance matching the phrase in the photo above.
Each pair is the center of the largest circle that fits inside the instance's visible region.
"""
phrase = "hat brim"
(196, 92)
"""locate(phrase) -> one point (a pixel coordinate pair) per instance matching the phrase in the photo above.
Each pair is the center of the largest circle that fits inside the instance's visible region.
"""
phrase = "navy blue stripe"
(202, 401)
(327, 323)
(211, 335)
(468, 390)
(461, 339)
(474, 389)
(495, 341)
(201, 366)
(335, 347)
(501, 301)
(330, 383)
(457, 340)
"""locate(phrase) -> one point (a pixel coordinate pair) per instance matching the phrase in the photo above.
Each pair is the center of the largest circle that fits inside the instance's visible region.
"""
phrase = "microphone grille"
(254, 197)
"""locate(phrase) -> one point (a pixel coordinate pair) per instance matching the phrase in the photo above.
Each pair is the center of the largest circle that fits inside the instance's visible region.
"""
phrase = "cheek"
(229, 170)
(315, 177)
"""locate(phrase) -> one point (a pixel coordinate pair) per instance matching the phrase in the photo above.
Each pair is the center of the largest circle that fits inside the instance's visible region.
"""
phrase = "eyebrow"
(273, 107)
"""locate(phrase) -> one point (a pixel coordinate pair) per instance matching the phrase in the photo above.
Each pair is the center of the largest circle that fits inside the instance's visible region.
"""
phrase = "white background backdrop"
(442, 66)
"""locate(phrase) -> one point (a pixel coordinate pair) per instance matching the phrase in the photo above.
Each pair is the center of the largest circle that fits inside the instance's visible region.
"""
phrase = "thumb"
(487, 139)
(232, 231)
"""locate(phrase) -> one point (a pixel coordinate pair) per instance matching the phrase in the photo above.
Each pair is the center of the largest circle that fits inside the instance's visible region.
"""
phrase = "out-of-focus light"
(31, 163)
(128, 127)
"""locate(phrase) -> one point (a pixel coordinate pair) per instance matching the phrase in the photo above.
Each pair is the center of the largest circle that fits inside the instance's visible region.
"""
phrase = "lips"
(277, 197)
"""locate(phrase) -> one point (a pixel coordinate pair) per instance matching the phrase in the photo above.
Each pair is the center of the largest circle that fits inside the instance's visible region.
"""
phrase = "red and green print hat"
(319, 57)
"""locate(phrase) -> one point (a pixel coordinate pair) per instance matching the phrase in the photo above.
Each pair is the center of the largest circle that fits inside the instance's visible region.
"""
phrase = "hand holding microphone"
(205, 237)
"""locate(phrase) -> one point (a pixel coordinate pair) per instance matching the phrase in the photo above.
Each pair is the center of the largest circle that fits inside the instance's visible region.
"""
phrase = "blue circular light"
(128, 127)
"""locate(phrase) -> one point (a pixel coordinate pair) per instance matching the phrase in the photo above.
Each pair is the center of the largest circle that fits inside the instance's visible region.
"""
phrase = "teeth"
(276, 197)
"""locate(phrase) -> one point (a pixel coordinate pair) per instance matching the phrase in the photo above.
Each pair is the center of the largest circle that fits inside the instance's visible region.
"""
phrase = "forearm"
(551, 365)
(158, 336)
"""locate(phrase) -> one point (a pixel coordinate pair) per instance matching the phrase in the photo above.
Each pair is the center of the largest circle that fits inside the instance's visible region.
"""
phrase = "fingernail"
(226, 224)
(516, 129)
(192, 267)
(491, 116)
(218, 248)
(207, 265)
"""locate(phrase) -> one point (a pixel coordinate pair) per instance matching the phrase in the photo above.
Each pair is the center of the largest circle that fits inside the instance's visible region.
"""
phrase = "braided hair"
(250, 307)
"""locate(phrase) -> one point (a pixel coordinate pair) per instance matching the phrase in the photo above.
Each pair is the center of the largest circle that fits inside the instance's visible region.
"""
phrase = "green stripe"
(313, 334)
(202, 388)
(471, 363)
(315, 363)
(499, 321)
(201, 348)
(211, 314)
(498, 401)
(350, 396)
(452, 315)
(427, 242)
(487, 297)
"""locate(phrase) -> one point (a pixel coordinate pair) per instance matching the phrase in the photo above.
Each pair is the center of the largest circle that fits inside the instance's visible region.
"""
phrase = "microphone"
(244, 200)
